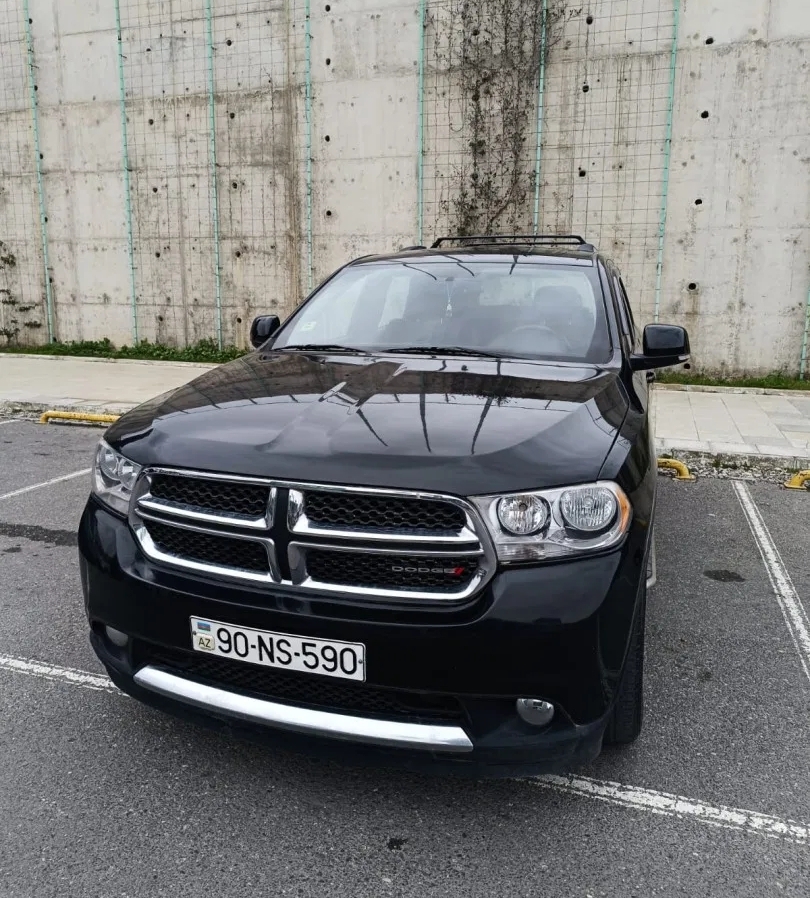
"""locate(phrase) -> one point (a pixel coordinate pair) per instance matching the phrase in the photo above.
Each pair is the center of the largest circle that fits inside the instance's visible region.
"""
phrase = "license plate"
(319, 656)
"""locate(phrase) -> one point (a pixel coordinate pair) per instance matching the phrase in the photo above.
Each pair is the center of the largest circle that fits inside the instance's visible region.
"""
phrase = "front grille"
(383, 571)
(209, 548)
(324, 539)
(354, 511)
(301, 688)
(222, 496)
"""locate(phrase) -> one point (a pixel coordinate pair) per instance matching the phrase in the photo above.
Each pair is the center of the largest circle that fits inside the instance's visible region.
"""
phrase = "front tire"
(628, 710)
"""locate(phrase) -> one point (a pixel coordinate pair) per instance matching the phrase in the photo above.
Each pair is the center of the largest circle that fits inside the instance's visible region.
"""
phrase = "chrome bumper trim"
(392, 733)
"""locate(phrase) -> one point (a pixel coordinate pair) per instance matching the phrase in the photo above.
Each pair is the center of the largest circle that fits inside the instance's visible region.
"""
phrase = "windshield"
(530, 309)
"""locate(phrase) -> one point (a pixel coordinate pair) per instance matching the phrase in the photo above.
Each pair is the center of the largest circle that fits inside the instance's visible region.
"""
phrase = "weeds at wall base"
(204, 351)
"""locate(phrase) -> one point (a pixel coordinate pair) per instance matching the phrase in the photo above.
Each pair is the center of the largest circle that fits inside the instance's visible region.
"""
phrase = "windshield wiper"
(322, 347)
(446, 350)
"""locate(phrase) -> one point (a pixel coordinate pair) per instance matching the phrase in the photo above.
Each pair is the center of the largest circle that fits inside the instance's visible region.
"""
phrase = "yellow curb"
(78, 416)
(799, 481)
(673, 465)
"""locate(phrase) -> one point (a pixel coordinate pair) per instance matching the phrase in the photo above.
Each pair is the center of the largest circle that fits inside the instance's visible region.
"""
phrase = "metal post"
(43, 219)
(212, 157)
(308, 135)
(803, 358)
(541, 87)
(420, 129)
(662, 219)
(125, 164)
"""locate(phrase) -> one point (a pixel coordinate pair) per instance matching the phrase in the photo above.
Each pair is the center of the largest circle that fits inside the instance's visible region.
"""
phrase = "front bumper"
(557, 632)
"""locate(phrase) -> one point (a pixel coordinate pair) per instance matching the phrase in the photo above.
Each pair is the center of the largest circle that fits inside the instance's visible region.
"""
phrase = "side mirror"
(664, 345)
(262, 329)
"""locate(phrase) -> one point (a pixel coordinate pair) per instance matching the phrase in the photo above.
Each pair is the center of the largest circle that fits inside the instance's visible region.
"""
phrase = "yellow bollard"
(78, 416)
(674, 465)
(799, 481)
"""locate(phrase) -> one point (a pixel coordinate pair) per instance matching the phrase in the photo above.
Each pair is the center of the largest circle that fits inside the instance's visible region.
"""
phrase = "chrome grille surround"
(199, 513)
(294, 536)
(299, 524)
(140, 525)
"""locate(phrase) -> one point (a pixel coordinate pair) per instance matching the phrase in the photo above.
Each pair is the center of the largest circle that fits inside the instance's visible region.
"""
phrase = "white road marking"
(669, 805)
(56, 672)
(790, 604)
(633, 797)
(39, 486)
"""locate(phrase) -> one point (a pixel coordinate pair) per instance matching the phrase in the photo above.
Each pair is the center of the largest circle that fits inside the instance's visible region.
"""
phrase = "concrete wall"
(317, 158)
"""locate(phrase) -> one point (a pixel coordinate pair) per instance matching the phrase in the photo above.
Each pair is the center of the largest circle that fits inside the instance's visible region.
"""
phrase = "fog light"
(116, 637)
(535, 711)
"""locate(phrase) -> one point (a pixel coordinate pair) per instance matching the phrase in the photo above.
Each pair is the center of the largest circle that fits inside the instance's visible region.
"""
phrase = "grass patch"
(769, 381)
(203, 351)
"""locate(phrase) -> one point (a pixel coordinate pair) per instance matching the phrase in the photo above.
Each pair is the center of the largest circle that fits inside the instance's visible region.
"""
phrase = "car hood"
(463, 426)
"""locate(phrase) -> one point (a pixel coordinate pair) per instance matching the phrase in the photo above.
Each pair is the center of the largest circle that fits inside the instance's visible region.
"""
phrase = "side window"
(629, 308)
(624, 311)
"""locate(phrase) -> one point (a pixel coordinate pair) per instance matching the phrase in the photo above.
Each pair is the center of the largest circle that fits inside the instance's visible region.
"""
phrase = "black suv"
(417, 519)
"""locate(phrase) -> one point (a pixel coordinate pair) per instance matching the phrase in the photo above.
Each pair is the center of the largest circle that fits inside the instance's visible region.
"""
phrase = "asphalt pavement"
(100, 796)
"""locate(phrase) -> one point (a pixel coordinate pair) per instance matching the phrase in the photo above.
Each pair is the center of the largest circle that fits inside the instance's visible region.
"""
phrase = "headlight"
(114, 477)
(588, 510)
(522, 515)
(544, 524)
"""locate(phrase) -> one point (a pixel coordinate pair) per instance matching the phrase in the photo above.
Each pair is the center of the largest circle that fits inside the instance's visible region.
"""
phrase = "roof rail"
(494, 239)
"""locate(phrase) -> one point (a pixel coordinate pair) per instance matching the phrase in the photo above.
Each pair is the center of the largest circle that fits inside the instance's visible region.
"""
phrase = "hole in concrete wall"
(691, 286)
(238, 320)
(151, 121)
(704, 114)
(327, 138)
(46, 219)
(709, 40)
(585, 88)
(157, 255)
(228, 42)
(582, 173)
(328, 61)
(154, 190)
(327, 7)
(234, 185)
(328, 213)
(238, 254)
(589, 20)
(232, 114)
(160, 318)
(698, 202)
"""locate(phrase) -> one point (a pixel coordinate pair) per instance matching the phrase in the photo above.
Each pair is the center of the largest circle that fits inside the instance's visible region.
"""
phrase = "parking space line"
(56, 672)
(790, 604)
(633, 797)
(38, 486)
(669, 805)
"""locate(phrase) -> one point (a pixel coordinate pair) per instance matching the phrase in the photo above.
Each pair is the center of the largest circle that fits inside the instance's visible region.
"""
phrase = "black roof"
(492, 253)
(563, 247)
